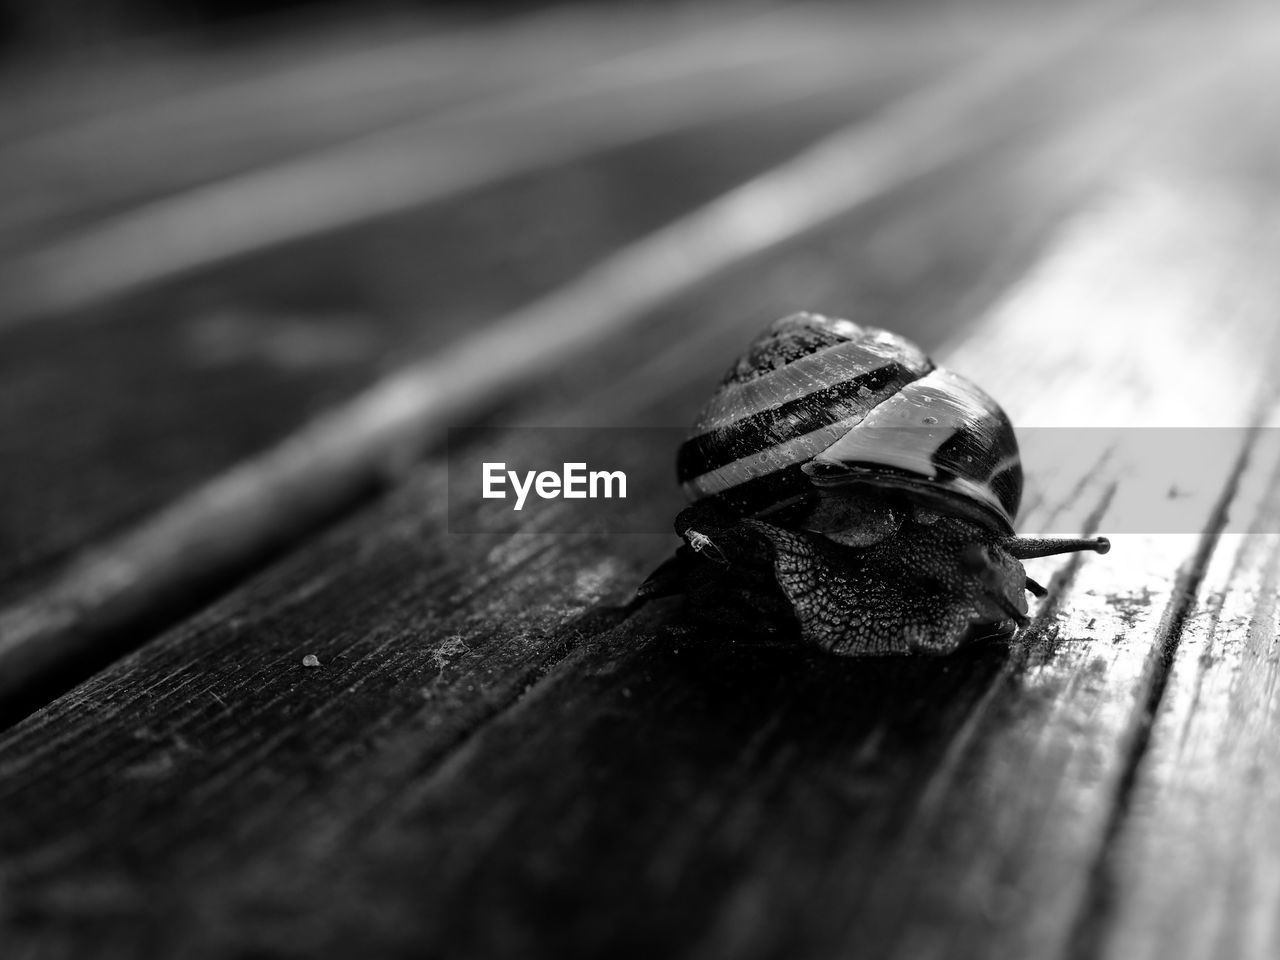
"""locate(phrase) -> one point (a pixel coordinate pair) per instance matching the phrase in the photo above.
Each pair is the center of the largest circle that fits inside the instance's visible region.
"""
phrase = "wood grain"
(759, 802)
(492, 759)
(595, 106)
(488, 760)
(136, 125)
(204, 374)
(99, 603)
(1193, 863)
(460, 627)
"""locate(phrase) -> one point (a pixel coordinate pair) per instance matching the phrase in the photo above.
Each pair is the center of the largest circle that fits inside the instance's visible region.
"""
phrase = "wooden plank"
(657, 788)
(90, 611)
(1193, 866)
(1000, 852)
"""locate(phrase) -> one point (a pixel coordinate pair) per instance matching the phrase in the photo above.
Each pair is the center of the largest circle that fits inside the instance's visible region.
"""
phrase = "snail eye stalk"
(1029, 548)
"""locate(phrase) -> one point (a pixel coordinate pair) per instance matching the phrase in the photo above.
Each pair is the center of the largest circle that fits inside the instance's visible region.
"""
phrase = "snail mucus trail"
(845, 489)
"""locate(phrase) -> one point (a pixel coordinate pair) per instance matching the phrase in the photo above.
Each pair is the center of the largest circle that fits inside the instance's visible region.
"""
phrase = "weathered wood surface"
(493, 760)
(171, 121)
(1193, 867)
(96, 606)
(196, 378)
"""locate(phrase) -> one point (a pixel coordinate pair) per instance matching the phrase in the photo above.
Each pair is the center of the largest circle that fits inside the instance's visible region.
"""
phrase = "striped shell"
(819, 402)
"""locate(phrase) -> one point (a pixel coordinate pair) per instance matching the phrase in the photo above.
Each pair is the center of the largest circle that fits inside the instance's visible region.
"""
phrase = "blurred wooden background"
(247, 286)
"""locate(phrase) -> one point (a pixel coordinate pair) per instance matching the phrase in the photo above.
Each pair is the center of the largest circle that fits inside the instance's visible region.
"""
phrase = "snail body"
(844, 486)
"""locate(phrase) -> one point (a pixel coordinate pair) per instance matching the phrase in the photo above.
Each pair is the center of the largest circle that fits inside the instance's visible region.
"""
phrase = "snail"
(846, 489)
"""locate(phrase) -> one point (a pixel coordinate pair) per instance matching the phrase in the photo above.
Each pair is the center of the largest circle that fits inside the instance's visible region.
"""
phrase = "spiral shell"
(820, 402)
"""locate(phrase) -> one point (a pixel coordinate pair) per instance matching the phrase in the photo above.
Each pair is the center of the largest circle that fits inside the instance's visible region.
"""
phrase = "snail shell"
(838, 476)
(817, 401)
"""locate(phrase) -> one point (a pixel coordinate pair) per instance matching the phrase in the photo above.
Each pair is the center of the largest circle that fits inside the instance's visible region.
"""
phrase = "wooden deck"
(241, 307)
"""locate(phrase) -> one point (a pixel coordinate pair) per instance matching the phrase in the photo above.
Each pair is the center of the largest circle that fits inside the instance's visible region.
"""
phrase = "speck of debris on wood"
(447, 650)
(311, 660)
